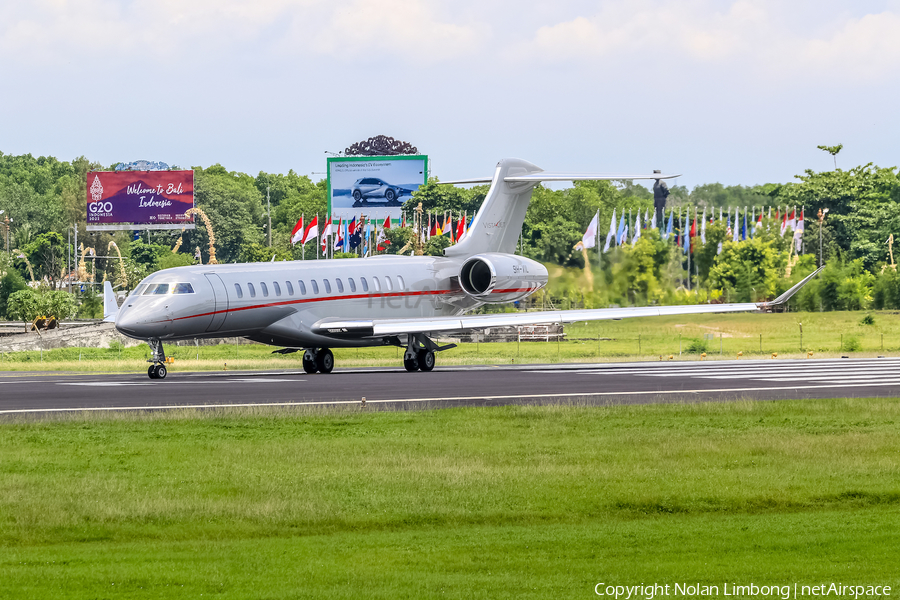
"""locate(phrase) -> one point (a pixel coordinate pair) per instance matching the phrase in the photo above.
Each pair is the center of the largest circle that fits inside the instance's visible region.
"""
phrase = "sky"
(737, 92)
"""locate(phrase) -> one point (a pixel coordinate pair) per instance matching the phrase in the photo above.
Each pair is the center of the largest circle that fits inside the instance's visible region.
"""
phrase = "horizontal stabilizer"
(545, 176)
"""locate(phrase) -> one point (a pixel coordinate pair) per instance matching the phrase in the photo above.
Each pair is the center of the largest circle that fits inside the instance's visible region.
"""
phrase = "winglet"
(787, 295)
(110, 306)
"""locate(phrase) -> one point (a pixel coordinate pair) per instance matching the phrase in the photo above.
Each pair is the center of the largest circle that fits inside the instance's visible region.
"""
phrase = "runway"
(604, 383)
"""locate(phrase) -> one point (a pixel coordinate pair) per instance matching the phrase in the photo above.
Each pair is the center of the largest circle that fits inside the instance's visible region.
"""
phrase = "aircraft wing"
(355, 328)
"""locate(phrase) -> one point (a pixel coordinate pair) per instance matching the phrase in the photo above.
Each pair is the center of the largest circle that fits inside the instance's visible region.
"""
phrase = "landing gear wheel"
(411, 363)
(325, 361)
(309, 363)
(161, 372)
(151, 372)
(426, 360)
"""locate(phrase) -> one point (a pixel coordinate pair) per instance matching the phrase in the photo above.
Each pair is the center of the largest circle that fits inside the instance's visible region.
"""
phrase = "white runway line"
(795, 388)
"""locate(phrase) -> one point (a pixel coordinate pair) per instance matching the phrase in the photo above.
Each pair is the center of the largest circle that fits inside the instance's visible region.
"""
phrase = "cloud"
(758, 37)
(48, 31)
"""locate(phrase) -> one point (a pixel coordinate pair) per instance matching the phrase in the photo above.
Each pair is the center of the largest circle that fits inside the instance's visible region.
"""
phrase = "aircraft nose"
(132, 324)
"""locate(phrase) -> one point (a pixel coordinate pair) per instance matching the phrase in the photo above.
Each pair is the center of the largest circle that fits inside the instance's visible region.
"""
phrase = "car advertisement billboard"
(373, 186)
(139, 197)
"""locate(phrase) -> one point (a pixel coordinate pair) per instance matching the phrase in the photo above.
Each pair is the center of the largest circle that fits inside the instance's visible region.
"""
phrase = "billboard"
(150, 199)
(373, 186)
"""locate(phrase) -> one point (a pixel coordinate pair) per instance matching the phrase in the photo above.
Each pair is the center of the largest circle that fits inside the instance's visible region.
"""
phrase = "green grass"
(540, 502)
(686, 337)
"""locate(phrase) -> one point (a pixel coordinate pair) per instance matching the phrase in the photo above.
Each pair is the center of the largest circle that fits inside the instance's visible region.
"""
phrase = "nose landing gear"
(157, 369)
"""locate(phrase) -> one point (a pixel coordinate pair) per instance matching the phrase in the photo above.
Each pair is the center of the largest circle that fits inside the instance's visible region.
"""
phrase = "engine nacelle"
(493, 277)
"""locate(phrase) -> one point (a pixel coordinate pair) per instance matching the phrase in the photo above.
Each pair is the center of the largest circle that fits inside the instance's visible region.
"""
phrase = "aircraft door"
(221, 301)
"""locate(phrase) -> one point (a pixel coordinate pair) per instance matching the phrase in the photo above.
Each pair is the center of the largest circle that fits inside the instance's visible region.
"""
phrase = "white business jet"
(313, 306)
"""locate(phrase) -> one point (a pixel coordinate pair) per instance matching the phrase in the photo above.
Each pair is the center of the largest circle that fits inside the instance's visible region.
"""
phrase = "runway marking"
(257, 380)
(107, 383)
(795, 388)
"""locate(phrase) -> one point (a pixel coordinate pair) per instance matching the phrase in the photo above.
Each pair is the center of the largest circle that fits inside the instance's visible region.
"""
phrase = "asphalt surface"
(395, 389)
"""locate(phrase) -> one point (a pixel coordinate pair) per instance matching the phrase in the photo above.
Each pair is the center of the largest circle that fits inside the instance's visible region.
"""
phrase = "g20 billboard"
(373, 186)
(139, 197)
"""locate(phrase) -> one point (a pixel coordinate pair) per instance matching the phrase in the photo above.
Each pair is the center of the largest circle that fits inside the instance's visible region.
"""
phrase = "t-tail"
(498, 223)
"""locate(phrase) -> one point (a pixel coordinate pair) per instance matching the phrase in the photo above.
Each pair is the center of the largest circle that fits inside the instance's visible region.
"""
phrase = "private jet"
(388, 300)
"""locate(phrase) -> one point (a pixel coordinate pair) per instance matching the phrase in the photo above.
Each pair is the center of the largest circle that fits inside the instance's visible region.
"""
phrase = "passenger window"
(315, 286)
(364, 283)
(252, 290)
(340, 285)
(327, 286)
(290, 288)
(277, 288)
(388, 284)
(183, 288)
(264, 288)
(352, 284)
(400, 284)
(240, 292)
(302, 287)
(375, 284)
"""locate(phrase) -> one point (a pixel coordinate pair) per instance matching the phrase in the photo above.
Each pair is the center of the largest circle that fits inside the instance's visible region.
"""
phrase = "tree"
(47, 254)
(833, 151)
(23, 305)
(10, 283)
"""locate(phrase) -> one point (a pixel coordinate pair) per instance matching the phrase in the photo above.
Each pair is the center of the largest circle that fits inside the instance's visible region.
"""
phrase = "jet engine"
(495, 278)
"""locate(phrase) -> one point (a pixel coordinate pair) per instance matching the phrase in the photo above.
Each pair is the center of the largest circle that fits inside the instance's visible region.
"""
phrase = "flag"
(798, 233)
(758, 226)
(461, 228)
(312, 230)
(297, 231)
(744, 228)
(354, 233)
(784, 223)
(703, 227)
(612, 231)
(693, 230)
(381, 241)
(326, 233)
(685, 233)
(621, 229)
(669, 226)
(637, 230)
(719, 249)
(435, 228)
(792, 221)
(339, 235)
(653, 221)
(736, 233)
(589, 239)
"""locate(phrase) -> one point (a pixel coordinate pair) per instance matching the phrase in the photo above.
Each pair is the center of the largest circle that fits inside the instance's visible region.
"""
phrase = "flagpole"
(303, 242)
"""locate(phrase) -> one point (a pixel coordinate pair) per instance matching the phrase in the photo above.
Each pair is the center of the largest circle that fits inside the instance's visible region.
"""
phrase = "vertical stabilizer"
(498, 223)
(110, 306)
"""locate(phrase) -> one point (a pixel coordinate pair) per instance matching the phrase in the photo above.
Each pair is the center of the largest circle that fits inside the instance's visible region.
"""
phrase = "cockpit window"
(157, 289)
(183, 288)
(139, 290)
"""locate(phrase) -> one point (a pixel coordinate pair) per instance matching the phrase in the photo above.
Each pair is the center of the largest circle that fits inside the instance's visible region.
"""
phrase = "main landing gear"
(157, 369)
(321, 360)
(419, 355)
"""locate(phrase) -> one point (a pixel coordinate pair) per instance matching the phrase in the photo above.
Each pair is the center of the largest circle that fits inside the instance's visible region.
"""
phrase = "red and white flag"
(326, 232)
(792, 220)
(784, 223)
(297, 231)
(461, 228)
(312, 230)
(381, 242)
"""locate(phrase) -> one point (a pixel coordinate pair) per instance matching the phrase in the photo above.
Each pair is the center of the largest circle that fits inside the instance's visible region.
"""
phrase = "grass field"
(533, 502)
(683, 337)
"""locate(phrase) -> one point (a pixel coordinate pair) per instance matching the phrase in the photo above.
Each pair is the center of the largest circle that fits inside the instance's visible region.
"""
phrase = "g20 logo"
(100, 207)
